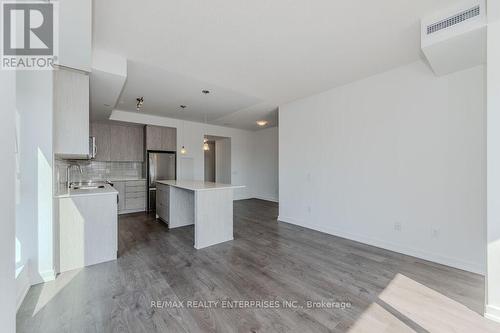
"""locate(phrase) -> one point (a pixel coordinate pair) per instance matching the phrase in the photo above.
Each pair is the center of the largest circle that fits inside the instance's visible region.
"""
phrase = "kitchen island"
(207, 205)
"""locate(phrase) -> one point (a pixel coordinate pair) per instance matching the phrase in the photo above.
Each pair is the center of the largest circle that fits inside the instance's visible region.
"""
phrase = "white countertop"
(198, 185)
(64, 192)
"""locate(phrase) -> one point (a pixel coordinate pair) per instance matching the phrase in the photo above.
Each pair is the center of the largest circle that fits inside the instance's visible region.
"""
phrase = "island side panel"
(88, 231)
(181, 207)
(213, 217)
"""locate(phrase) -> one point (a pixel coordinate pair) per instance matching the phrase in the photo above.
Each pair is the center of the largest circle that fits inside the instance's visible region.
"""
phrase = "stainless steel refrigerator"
(161, 166)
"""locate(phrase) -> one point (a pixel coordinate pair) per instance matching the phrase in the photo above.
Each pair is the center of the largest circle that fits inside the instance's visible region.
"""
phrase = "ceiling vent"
(455, 39)
(453, 20)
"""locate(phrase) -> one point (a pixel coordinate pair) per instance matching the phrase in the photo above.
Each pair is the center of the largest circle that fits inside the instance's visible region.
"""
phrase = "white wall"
(190, 135)
(400, 147)
(34, 223)
(265, 162)
(7, 205)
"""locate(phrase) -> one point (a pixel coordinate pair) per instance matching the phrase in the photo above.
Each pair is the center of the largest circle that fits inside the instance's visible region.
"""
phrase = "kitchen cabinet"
(126, 143)
(102, 135)
(131, 196)
(118, 143)
(161, 138)
(71, 113)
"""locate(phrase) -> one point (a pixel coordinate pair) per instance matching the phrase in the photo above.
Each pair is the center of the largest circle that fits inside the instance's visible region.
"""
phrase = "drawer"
(136, 183)
(135, 203)
(132, 189)
(135, 192)
(135, 195)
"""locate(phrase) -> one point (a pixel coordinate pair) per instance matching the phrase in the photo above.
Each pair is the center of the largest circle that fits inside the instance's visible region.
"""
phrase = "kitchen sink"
(87, 187)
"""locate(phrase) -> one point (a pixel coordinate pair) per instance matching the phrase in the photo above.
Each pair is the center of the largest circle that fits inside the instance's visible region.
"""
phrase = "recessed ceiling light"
(262, 122)
(206, 92)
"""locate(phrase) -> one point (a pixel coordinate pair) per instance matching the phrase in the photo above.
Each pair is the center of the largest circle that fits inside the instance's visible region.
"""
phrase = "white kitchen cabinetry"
(131, 196)
(71, 113)
(75, 34)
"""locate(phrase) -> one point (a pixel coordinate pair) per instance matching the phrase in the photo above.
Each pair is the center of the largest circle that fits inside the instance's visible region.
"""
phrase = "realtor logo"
(28, 35)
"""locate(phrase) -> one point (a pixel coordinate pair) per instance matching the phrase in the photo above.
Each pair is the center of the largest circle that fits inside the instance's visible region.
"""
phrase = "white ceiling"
(252, 55)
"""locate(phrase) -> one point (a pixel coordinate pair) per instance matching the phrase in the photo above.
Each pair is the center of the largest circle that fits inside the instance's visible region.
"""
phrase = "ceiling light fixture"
(183, 106)
(206, 147)
(140, 102)
(262, 123)
(206, 92)
(183, 149)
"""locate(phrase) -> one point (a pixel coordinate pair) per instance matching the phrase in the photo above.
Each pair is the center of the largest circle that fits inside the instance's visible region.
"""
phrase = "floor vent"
(454, 20)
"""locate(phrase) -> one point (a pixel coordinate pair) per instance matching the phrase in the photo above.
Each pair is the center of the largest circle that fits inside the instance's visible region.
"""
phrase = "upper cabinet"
(102, 134)
(127, 143)
(161, 138)
(71, 113)
(75, 34)
(118, 143)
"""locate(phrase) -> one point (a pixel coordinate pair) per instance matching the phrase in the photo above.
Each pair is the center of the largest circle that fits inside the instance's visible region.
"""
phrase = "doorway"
(217, 159)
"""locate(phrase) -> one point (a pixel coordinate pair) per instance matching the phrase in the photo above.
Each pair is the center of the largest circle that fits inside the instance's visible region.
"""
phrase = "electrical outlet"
(398, 226)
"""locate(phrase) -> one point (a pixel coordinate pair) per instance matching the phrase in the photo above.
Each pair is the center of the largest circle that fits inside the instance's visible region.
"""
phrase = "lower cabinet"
(131, 196)
(162, 202)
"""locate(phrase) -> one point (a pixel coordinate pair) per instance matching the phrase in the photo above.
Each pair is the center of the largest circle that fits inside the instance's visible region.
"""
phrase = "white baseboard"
(443, 260)
(266, 198)
(492, 312)
(22, 284)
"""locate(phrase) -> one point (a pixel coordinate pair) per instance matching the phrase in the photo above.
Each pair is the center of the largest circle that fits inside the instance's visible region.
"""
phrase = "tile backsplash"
(98, 171)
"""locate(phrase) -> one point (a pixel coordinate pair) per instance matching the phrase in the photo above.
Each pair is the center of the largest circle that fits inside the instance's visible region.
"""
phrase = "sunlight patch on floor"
(51, 289)
(423, 307)
(377, 319)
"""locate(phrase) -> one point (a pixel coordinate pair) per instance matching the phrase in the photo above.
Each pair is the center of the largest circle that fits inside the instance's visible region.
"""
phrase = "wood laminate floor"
(354, 287)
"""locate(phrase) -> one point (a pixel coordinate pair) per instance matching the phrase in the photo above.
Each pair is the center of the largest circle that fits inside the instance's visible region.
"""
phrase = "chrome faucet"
(68, 182)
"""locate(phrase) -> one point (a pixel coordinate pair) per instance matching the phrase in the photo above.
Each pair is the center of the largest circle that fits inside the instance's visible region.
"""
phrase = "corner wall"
(7, 203)
(400, 150)
(265, 164)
